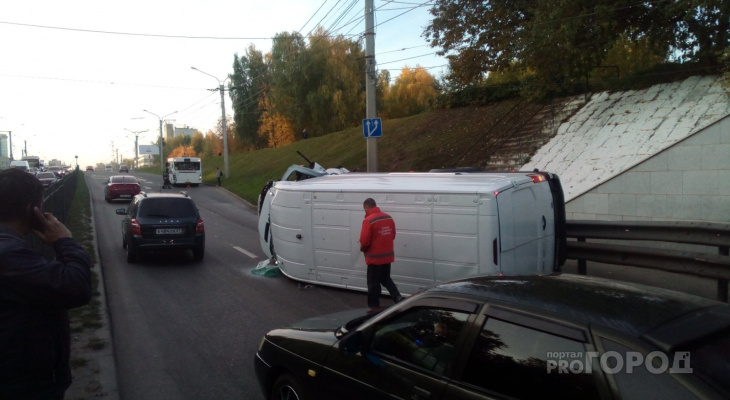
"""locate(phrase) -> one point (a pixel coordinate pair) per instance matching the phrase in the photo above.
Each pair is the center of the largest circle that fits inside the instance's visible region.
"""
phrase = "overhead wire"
(315, 13)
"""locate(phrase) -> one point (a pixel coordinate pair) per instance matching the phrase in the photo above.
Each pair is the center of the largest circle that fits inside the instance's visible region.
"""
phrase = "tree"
(275, 128)
(198, 142)
(560, 43)
(414, 92)
(288, 82)
(249, 81)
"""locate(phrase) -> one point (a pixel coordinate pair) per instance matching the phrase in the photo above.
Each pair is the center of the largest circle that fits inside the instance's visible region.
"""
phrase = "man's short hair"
(369, 203)
(18, 190)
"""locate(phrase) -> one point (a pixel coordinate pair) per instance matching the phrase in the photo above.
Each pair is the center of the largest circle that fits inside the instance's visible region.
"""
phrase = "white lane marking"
(245, 252)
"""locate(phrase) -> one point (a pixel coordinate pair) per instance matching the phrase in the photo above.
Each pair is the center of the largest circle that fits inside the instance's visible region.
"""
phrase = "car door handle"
(419, 393)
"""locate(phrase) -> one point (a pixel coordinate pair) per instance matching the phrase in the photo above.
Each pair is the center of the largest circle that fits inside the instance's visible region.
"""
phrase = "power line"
(310, 18)
(137, 34)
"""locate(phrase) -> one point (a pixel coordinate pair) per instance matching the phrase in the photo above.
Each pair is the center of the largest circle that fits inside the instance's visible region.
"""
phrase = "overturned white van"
(448, 225)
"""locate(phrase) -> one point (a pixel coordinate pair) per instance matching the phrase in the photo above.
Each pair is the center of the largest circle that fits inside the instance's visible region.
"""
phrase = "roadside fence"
(615, 243)
(57, 200)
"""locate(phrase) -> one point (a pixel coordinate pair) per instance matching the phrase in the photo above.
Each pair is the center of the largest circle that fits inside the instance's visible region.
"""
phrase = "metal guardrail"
(57, 200)
(708, 265)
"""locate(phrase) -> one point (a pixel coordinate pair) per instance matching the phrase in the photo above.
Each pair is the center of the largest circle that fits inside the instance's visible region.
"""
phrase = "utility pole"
(225, 133)
(370, 82)
(136, 156)
(136, 146)
(162, 159)
(221, 88)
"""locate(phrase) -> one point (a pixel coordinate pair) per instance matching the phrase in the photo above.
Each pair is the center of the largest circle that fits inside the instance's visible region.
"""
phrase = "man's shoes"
(399, 299)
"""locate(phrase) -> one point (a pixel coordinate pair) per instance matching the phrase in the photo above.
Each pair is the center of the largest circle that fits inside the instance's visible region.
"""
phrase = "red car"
(121, 187)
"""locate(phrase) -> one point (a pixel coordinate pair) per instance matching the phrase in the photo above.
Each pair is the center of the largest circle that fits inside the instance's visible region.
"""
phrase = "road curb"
(98, 379)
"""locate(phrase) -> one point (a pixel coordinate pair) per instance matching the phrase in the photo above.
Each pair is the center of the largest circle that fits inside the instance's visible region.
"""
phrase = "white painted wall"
(687, 181)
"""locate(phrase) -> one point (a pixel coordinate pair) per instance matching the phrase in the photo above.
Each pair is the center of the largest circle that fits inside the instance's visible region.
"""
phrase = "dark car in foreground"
(121, 187)
(47, 178)
(548, 337)
(162, 222)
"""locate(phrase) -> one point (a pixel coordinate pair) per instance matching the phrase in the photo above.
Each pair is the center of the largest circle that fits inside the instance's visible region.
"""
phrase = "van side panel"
(413, 268)
(455, 229)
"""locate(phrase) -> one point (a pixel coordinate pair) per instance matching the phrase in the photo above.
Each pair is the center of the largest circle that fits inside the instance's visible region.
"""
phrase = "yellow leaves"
(413, 92)
(183, 151)
(274, 127)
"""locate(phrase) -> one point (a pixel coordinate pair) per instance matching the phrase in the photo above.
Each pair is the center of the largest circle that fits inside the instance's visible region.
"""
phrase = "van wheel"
(286, 387)
(131, 255)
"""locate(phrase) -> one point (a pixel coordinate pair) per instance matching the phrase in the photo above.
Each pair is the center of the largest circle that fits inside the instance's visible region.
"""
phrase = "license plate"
(169, 231)
(125, 195)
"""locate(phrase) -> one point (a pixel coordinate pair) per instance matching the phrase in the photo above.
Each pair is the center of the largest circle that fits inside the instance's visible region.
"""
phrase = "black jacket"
(35, 295)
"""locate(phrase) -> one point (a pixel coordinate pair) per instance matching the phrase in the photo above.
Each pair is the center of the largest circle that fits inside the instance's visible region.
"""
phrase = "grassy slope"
(418, 143)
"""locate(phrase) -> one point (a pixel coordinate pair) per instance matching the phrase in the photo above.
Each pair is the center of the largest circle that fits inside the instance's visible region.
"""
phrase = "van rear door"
(520, 220)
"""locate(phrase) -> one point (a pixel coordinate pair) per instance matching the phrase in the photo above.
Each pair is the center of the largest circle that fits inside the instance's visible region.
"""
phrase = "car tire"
(198, 253)
(286, 387)
(124, 242)
(131, 254)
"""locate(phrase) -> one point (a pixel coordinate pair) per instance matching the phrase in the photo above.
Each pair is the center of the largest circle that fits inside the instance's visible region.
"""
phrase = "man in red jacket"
(376, 241)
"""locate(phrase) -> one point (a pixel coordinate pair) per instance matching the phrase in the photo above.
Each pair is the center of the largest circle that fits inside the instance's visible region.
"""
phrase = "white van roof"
(410, 182)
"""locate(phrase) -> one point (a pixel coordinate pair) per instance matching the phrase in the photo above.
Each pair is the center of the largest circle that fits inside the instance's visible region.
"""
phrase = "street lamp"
(223, 113)
(136, 146)
(162, 162)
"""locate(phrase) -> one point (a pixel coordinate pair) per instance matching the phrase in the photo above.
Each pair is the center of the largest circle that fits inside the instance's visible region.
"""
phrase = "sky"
(76, 75)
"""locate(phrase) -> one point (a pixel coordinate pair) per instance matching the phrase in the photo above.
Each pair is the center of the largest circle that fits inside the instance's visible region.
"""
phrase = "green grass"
(416, 143)
(79, 223)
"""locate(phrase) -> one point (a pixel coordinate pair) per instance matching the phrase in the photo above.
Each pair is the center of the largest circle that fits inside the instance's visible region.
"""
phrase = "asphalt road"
(186, 330)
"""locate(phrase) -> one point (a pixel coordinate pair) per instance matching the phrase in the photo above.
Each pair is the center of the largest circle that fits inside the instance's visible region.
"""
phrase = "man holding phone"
(35, 293)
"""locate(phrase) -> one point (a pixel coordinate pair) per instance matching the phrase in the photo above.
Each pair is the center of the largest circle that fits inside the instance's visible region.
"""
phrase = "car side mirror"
(121, 211)
(352, 344)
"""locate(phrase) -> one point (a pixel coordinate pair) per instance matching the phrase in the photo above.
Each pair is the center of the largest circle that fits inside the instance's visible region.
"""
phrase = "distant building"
(4, 154)
(184, 131)
(144, 160)
(4, 145)
(169, 131)
(55, 163)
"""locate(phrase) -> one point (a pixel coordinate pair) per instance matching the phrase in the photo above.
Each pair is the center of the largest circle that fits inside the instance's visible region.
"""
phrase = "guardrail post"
(582, 264)
(722, 283)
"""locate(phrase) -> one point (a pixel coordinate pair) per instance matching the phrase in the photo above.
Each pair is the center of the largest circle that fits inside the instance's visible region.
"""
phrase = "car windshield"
(167, 208)
(45, 175)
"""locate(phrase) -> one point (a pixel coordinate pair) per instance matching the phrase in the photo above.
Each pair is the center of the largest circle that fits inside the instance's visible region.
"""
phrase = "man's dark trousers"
(380, 275)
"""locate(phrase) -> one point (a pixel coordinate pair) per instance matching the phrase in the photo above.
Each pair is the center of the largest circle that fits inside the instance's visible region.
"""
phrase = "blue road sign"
(372, 127)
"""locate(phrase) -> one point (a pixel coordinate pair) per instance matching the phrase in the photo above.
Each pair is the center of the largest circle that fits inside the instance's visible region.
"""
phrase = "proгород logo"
(612, 362)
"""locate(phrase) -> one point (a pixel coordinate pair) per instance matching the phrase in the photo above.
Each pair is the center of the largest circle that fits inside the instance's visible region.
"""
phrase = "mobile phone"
(35, 221)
